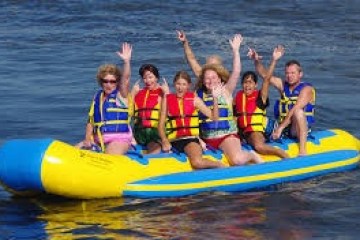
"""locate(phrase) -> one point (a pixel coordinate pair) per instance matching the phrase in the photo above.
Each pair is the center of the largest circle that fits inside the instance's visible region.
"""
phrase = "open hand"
(278, 52)
(252, 54)
(217, 90)
(125, 54)
(236, 41)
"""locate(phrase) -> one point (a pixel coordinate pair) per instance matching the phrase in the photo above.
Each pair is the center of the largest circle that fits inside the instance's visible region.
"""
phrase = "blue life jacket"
(289, 99)
(108, 116)
(208, 124)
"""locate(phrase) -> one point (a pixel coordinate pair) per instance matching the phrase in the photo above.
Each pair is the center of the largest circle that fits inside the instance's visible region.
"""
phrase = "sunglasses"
(108, 81)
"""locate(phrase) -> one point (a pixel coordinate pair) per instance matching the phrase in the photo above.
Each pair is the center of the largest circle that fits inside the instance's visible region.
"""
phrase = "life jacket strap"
(111, 122)
(219, 119)
(250, 114)
(146, 109)
(118, 110)
(184, 116)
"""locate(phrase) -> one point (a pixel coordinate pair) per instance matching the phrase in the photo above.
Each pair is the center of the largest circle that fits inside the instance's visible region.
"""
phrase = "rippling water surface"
(50, 51)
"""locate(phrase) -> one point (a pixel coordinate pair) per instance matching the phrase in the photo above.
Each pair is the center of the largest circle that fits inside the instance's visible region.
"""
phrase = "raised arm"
(259, 67)
(235, 74)
(277, 54)
(166, 146)
(125, 55)
(262, 71)
(189, 54)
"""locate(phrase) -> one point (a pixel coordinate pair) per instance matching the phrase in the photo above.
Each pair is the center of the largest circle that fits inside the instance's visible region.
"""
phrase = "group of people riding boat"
(190, 121)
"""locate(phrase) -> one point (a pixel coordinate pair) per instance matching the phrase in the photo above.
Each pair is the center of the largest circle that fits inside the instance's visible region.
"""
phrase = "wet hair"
(219, 69)
(107, 69)
(182, 74)
(293, 62)
(250, 74)
(150, 68)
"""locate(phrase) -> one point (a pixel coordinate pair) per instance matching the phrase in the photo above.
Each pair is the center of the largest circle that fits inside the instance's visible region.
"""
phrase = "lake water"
(50, 51)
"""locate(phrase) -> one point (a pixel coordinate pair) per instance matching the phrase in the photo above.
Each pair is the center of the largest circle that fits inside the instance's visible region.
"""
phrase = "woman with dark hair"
(250, 109)
(147, 108)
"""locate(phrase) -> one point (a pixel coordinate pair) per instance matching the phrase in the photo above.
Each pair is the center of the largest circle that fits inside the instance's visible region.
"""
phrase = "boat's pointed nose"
(20, 163)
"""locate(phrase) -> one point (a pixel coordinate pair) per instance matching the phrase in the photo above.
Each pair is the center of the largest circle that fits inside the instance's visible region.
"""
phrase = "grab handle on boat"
(136, 148)
(135, 153)
(279, 140)
(211, 148)
(174, 150)
(310, 136)
(93, 147)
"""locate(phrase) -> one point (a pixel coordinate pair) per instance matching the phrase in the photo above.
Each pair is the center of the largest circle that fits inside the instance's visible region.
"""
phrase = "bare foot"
(221, 165)
(256, 157)
(302, 154)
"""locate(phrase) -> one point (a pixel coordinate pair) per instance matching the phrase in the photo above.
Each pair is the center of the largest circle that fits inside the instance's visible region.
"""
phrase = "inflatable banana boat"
(32, 166)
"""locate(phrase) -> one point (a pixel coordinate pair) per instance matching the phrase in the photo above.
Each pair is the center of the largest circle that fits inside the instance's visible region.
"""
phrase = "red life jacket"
(147, 107)
(250, 118)
(183, 119)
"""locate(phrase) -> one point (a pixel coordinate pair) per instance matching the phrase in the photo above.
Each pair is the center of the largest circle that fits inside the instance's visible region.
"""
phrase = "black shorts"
(180, 144)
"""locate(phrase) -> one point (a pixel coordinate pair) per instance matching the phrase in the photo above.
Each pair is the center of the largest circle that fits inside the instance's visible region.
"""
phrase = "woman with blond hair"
(222, 134)
(109, 117)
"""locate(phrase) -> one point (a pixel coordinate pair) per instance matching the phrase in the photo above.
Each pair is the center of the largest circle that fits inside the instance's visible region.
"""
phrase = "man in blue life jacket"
(295, 108)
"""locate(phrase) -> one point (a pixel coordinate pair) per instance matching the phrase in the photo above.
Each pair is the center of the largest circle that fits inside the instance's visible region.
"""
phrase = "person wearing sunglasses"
(109, 117)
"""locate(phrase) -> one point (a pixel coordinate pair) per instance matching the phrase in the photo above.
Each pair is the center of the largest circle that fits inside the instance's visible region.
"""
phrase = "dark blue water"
(50, 51)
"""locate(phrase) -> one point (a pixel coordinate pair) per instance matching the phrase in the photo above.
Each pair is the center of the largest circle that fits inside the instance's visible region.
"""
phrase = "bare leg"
(231, 147)
(117, 148)
(194, 152)
(153, 147)
(299, 129)
(257, 140)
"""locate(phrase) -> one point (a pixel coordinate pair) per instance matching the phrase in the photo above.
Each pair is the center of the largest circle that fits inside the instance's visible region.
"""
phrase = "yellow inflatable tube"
(55, 167)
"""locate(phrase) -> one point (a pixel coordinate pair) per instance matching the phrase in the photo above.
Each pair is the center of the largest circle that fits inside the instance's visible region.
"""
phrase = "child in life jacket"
(147, 103)
(179, 112)
(108, 125)
(250, 108)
